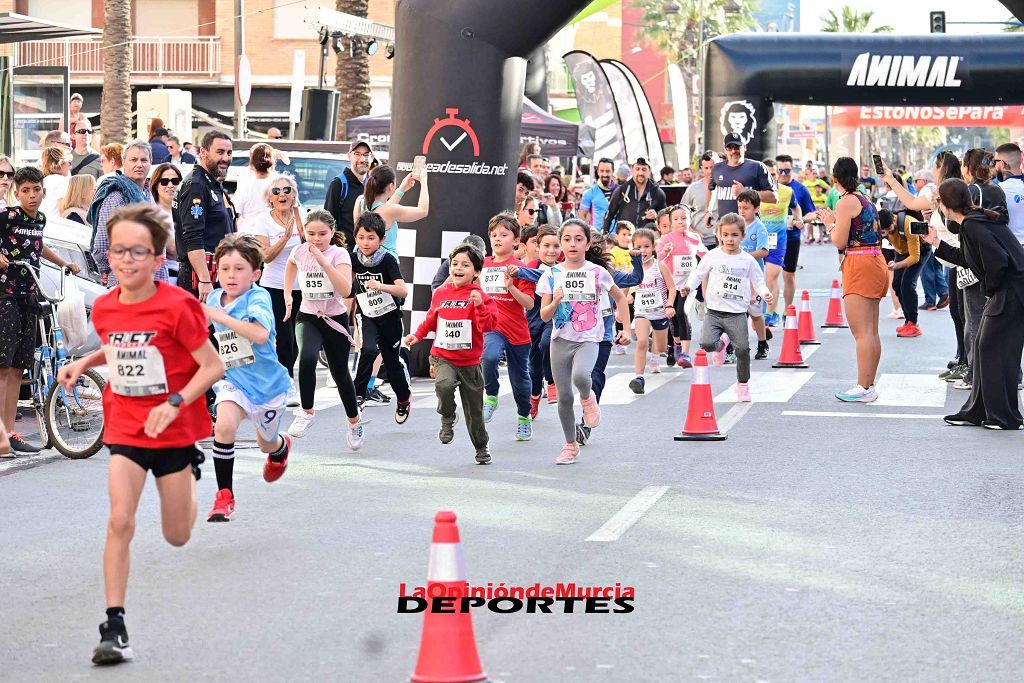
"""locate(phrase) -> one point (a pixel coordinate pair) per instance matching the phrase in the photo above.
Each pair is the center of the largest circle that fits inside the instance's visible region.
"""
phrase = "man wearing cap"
(735, 174)
(74, 110)
(343, 190)
(84, 159)
(638, 200)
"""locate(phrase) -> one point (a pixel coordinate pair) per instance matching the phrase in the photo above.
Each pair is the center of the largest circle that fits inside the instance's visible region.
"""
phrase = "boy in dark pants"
(21, 239)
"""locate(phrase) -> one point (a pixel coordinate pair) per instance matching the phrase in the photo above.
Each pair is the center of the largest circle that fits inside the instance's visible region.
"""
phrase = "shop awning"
(18, 28)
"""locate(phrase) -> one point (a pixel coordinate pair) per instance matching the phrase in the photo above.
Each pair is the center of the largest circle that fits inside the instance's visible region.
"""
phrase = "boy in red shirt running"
(156, 344)
(460, 314)
(511, 337)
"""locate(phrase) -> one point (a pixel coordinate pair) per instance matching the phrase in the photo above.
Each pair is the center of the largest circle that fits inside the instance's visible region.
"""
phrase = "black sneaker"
(113, 647)
(670, 357)
(19, 445)
(483, 456)
(637, 385)
(582, 434)
(959, 421)
(768, 334)
(376, 398)
(447, 431)
(402, 411)
(762, 350)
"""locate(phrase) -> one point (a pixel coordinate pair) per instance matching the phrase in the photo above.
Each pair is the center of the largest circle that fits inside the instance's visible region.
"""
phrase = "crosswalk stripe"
(429, 399)
(769, 387)
(829, 413)
(617, 392)
(921, 391)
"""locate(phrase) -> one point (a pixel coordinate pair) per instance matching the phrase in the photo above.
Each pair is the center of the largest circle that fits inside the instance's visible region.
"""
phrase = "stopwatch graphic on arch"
(462, 131)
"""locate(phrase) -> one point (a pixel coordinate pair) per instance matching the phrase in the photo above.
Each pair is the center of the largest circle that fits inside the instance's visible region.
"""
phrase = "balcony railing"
(156, 57)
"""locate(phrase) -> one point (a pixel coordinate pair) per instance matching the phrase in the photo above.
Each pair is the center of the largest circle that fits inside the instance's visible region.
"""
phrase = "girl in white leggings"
(571, 294)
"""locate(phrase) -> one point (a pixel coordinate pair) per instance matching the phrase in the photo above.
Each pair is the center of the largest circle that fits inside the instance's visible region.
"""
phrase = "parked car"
(313, 163)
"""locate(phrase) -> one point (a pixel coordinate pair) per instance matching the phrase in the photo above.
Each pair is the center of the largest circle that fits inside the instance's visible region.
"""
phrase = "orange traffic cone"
(790, 356)
(447, 648)
(834, 317)
(700, 412)
(805, 321)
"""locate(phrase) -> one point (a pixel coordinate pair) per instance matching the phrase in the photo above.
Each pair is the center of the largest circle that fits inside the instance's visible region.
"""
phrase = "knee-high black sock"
(277, 455)
(224, 463)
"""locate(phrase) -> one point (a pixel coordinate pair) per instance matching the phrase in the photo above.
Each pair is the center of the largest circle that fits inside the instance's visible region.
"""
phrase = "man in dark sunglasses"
(84, 159)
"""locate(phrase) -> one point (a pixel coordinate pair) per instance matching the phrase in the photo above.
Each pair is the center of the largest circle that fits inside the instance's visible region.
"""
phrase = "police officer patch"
(197, 209)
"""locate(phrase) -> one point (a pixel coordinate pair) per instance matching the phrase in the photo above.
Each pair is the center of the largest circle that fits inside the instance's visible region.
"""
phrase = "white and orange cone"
(790, 356)
(700, 411)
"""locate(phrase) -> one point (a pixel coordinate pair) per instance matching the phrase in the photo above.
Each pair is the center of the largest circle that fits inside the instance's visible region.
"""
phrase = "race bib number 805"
(579, 285)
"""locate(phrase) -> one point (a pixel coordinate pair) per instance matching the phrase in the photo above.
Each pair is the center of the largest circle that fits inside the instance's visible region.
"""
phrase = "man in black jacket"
(343, 190)
(638, 200)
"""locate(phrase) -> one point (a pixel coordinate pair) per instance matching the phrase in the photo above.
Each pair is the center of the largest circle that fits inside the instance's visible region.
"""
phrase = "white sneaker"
(896, 314)
(331, 384)
(293, 397)
(301, 423)
(354, 438)
(962, 385)
(653, 366)
(858, 394)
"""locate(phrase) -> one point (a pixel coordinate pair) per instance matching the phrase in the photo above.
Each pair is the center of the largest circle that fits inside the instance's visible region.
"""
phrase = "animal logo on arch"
(737, 116)
(465, 130)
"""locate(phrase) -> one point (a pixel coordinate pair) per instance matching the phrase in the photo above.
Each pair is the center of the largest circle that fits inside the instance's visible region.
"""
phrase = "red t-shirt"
(149, 349)
(511, 314)
(458, 324)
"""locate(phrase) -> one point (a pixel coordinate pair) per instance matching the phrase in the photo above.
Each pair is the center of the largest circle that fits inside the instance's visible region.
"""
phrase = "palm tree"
(116, 105)
(352, 77)
(674, 28)
(1014, 27)
(851, 21)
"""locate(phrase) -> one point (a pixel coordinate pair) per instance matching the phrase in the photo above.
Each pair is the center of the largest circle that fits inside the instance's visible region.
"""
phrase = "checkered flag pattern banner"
(419, 256)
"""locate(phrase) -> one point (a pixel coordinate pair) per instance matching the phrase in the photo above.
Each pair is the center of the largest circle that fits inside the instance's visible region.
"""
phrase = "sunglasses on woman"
(7, 174)
(532, 212)
(279, 190)
(169, 181)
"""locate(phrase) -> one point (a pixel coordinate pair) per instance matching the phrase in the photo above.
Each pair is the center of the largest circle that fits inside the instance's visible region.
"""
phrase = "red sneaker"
(223, 506)
(552, 394)
(910, 330)
(272, 471)
(534, 406)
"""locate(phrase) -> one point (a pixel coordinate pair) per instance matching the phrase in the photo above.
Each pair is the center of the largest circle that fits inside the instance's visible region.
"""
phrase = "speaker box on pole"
(319, 114)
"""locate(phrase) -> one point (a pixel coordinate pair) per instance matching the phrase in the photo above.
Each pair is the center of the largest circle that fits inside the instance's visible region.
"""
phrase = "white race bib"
(965, 277)
(375, 304)
(648, 300)
(492, 280)
(579, 285)
(136, 370)
(454, 335)
(234, 349)
(606, 305)
(682, 265)
(729, 287)
(773, 240)
(315, 285)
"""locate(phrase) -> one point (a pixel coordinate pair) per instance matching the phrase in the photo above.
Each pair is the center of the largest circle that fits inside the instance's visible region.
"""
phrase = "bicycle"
(70, 422)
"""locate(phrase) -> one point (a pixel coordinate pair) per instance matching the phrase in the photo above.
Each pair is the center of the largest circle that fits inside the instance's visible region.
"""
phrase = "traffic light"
(937, 22)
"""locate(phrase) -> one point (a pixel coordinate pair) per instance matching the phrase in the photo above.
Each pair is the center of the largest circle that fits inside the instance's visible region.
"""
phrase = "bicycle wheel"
(39, 406)
(75, 420)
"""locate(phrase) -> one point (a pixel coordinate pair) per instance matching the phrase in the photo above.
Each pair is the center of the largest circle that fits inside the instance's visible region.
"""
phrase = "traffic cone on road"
(834, 316)
(805, 321)
(790, 356)
(448, 648)
(700, 411)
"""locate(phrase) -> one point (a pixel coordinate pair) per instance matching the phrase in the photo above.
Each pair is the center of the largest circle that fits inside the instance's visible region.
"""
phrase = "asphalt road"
(820, 542)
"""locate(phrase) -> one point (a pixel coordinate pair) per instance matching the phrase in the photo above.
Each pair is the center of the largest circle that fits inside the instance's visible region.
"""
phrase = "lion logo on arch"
(737, 116)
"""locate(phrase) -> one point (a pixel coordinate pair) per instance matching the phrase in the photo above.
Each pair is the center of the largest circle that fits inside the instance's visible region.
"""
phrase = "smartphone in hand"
(877, 160)
(419, 166)
(918, 228)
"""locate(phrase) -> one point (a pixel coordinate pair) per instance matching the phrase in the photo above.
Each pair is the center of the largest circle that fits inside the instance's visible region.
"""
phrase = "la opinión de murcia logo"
(563, 598)
(452, 121)
(898, 71)
(737, 116)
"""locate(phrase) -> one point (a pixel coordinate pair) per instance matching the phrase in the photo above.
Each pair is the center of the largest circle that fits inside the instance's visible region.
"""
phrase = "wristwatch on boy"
(175, 399)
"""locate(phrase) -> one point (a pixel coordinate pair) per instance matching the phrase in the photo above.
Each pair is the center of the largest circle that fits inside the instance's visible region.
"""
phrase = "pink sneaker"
(743, 392)
(591, 411)
(569, 454)
(718, 357)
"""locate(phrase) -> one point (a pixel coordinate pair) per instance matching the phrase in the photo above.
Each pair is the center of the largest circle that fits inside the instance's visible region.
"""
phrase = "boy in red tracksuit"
(460, 314)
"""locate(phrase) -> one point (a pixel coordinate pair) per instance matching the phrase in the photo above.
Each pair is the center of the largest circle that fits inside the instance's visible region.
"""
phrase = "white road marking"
(920, 391)
(429, 399)
(829, 330)
(808, 351)
(889, 416)
(733, 415)
(770, 387)
(617, 392)
(628, 515)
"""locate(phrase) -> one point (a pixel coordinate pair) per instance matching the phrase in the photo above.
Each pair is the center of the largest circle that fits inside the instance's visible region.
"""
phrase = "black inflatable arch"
(745, 74)
(460, 72)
